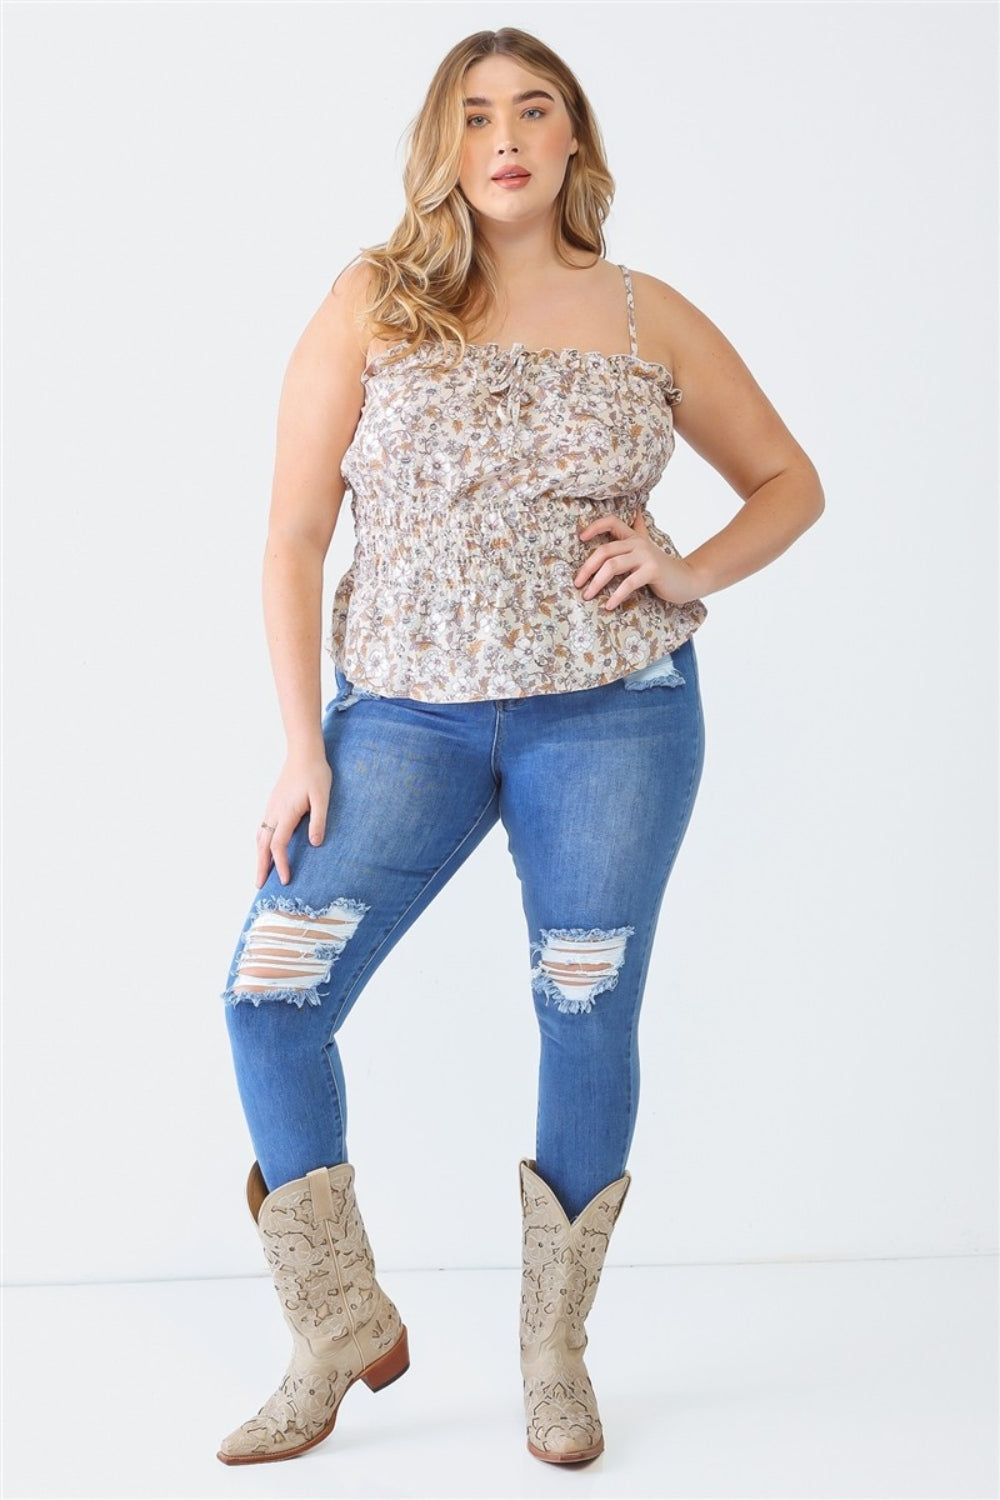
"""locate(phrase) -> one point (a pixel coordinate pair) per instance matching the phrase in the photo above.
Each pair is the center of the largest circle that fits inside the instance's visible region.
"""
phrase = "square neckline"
(494, 348)
(632, 352)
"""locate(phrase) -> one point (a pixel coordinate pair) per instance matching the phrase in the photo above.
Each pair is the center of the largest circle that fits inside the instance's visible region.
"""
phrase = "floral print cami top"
(469, 489)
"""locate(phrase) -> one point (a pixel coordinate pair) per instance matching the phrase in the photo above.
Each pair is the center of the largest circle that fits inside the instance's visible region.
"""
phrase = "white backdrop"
(818, 1036)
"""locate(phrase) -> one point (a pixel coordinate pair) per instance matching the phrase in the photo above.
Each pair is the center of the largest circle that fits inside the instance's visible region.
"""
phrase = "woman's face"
(504, 131)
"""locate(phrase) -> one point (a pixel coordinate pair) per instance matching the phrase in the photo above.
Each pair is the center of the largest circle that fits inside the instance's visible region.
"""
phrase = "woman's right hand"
(303, 787)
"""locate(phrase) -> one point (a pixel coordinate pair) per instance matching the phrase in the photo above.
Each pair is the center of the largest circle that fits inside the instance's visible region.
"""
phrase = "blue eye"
(532, 109)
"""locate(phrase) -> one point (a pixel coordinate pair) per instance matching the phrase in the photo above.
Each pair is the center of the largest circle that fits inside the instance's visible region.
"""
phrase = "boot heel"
(391, 1365)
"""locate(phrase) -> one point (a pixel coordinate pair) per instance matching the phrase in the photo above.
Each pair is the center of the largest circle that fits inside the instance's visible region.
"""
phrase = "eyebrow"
(515, 98)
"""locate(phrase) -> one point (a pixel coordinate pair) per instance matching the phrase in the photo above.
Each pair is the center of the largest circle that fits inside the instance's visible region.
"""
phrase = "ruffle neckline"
(497, 355)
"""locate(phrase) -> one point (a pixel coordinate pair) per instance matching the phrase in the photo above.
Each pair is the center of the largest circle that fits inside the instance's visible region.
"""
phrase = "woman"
(513, 641)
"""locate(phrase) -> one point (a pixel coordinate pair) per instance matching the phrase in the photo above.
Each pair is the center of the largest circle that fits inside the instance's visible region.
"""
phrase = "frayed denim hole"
(353, 695)
(659, 673)
(577, 964)
(296, 945)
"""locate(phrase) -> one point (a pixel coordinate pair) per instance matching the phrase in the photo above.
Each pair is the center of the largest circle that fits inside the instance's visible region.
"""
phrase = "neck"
(524, 253)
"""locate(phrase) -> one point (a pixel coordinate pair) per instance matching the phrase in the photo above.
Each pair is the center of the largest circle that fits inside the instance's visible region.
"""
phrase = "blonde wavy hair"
(434, 276)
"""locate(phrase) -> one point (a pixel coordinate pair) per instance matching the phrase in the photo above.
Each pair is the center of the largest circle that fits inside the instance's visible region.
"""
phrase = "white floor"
(861, 1379)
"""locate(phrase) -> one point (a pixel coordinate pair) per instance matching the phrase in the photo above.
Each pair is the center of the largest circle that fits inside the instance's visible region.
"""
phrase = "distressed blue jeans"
(594, 788)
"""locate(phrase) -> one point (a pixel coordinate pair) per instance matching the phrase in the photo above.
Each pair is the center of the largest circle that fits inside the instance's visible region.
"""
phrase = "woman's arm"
(725, 417)
(321, 400)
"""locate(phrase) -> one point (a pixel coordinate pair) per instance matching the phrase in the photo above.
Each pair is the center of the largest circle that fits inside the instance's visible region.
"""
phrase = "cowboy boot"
(562, 1265)
(344, 1328)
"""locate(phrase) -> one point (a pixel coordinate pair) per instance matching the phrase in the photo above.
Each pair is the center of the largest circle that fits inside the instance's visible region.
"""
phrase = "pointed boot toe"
(561, 1270)
(344, 1327)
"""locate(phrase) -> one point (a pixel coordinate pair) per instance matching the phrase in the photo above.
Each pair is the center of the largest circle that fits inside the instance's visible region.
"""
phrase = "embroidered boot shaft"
(344, 1327)
(562, 1265)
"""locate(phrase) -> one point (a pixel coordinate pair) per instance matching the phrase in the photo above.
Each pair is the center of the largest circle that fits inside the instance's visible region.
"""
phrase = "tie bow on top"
(506, 374)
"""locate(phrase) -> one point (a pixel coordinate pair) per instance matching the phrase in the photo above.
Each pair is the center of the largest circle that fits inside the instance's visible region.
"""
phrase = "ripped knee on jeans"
(576, 964)
(289, 949)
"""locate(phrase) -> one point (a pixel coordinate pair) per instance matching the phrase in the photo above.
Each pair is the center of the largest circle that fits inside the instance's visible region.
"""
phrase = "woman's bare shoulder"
(669, 321)
(349, 297)
(663, 318)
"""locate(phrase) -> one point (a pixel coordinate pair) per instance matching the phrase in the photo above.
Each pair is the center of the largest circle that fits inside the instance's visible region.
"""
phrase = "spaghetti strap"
(630, 302)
